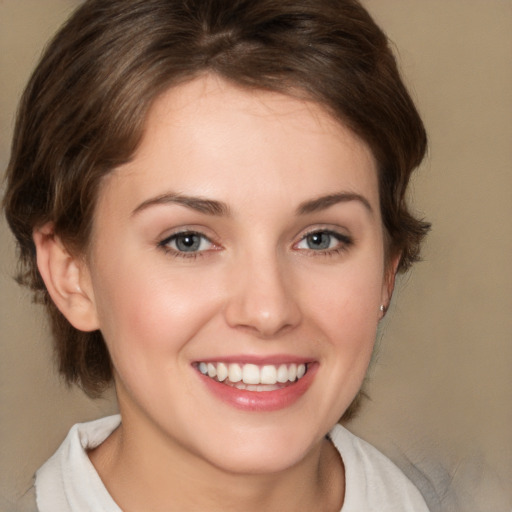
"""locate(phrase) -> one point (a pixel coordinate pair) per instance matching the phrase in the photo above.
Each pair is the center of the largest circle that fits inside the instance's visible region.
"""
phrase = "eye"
(324, 241)
(186, 242)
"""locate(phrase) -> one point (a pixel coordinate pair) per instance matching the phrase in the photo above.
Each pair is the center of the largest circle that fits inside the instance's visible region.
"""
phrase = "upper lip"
(257, 360)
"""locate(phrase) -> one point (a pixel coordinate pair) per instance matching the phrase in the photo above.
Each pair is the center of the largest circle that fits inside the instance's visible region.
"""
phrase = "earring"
(383, 308)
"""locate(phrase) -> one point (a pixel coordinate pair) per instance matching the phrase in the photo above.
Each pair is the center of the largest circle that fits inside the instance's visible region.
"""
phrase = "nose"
(263, 298)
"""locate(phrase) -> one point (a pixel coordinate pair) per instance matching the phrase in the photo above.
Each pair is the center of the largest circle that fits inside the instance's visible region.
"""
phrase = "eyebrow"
(200, 204)
(324, 202)
(218, 208)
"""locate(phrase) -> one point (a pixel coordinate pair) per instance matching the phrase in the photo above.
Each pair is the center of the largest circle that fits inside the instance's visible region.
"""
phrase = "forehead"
(210, 138)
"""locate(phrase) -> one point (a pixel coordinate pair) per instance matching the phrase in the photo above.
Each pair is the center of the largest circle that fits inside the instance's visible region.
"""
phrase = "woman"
(209, 199)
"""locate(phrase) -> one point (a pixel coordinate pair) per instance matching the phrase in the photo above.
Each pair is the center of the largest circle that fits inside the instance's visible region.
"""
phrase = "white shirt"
(68, 482)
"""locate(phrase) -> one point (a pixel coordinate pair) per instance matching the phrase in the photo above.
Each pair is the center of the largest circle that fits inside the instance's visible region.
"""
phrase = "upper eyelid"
(343, 242)
(337, 232)
(330, 231)
(184, 231)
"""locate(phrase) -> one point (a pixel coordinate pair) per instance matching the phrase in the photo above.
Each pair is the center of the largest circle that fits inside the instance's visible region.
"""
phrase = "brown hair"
(83, 112)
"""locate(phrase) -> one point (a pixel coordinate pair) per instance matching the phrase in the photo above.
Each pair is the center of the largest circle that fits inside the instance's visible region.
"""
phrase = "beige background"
(442, 386)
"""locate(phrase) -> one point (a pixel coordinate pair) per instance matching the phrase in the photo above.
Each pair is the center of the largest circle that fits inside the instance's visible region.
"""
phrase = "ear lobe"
(389, 281)
(66, 279)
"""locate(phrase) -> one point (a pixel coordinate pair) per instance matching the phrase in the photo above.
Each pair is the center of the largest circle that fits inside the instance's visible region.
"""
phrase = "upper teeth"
(253, 374)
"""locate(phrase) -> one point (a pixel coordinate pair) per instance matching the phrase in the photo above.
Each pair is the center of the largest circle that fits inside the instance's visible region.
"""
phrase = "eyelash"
(344, 242)
(164, 245)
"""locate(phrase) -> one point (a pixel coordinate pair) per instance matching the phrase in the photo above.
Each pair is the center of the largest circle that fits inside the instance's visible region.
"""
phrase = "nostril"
(264, 324)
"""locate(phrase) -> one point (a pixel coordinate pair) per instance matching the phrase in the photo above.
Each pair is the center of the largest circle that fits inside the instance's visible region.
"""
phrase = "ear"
(66, 278)
(388, 284)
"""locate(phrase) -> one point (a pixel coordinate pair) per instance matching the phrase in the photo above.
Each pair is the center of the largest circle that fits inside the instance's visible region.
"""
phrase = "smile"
(252, 377)
(257, 386)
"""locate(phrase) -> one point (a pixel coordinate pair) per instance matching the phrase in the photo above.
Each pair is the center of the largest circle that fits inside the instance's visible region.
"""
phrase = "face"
(236, 271)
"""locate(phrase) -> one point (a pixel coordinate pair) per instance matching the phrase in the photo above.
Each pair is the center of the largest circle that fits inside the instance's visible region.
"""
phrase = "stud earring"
(383, 308)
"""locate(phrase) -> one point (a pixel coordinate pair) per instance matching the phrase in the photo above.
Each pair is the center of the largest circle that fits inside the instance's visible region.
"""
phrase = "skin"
(256, 287)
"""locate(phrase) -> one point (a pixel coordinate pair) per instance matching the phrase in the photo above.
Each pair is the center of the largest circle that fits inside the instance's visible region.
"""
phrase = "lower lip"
(261, 400)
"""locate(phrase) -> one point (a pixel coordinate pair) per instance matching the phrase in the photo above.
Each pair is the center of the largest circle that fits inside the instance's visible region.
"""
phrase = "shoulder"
(67, 481)
(372, 481)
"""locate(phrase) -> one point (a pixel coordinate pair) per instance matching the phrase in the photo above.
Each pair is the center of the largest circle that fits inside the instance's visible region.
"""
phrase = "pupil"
(319, 241)
(187, 243)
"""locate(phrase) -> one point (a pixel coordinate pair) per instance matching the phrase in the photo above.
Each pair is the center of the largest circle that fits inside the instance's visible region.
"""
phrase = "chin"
(262, 452)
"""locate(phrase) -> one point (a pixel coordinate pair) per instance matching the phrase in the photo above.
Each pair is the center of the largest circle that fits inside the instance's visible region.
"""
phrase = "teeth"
(235, 373)
(292, 372)
(212, 370)
(282, 374)
(251, 376)
(268, 374)
(222, 372)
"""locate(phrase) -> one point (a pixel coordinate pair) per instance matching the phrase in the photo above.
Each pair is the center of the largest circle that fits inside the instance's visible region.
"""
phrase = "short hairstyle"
(84, 108)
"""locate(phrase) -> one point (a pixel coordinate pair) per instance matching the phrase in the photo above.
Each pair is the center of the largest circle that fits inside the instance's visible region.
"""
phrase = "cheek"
(348, 300)
(345, 312)
(149, 310)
